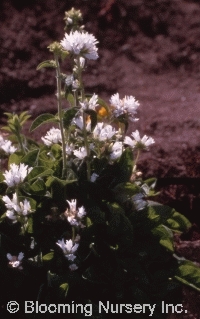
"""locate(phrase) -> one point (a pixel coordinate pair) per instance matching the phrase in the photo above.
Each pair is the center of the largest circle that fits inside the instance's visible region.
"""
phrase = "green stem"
(137, 157)
(58, 80)
(87, 147)
(20, 143)
(84, 120)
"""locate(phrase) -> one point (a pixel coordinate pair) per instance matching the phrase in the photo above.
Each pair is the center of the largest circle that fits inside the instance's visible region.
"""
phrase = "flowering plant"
(77, 222)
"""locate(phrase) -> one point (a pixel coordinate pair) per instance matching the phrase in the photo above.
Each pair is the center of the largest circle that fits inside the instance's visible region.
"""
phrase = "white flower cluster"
(7, 146)
(81, 43)
(53, 136)
(16, 174)
(90, 104)
(103, 132)
(80, 153)
(69, 248)
(15, 261)
(128, 105)
(137, 141)
(15, 208)
(75, 215)
(116, 150)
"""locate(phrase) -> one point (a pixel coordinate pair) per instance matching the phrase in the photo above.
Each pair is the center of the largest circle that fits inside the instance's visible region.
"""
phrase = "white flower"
(146, 188)
(53, 136)
(90, 104)
(20, 256)
(103, 132)
(81, 43)
(68, 248)
(16, 174)
(81, 212)
(16, 208)
(143, 142)
(69, 149)
(15, 261)
(139, 202)
(116, 150)
(74, 214)
(11, 215)
(11, 203)
(93, 177)
(75, 84)
(1, 140)
(78, 121)
(93, 102)
(8, 147)
(81, 153)
(128, 141)
(69, 80)
(25, 207)
(128, 105)
(72, 205)
(73, 267)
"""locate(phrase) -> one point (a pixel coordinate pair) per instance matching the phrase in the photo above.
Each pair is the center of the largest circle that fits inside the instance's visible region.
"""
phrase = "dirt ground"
(148, 49)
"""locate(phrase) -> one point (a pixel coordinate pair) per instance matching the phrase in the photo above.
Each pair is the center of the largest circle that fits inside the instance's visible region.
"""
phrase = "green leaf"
(150, 181)
(56, 150)
(48, 257)
(2, 217)
(88, 222)
(42, 119)
(59, 181)
(189, 274)
(101, 102)
(153, 215)
(165, 235)
(29, 228)
(1, 177)
(182, 223)
(70, 99)
(126, 165)
(45, 160)
(15, 158)
(119, 227)
(68, 117)
(170, 217)
(63, 290)
(46, 64)
(23, 117)
(125, 191)
(124, 120)
(31, 158)
(6, 128)
(38, 188)
(9, 115)
(38, 172)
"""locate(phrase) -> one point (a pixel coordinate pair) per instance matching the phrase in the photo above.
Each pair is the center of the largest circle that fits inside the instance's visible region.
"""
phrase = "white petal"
(9, 256)
(20, 256)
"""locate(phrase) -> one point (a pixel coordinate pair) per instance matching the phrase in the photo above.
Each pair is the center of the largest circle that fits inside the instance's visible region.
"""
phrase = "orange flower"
(102, 111)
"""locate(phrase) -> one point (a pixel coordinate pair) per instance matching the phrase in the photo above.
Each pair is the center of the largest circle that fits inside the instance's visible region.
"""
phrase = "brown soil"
(149, 49)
